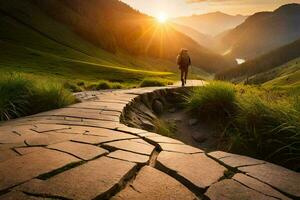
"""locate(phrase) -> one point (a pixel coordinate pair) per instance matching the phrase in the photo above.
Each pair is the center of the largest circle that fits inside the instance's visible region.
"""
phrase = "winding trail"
(84, 152)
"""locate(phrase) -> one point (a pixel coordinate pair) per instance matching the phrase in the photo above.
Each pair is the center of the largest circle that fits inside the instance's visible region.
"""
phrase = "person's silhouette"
(184, 61)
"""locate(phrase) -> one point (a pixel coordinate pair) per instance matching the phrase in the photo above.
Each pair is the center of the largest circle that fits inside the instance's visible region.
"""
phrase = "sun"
(162, 17)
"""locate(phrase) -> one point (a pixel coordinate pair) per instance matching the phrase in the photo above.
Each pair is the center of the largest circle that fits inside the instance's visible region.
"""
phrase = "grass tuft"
(215, 101)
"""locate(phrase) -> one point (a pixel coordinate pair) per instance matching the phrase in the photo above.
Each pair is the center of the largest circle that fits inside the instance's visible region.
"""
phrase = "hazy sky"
(174, 8)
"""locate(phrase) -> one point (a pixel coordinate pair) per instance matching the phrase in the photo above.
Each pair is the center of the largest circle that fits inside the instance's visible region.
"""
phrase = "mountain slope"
(202, 39)
(118, 26)
(212, 23)
(263, 32)
(35, 41)
(263, 63)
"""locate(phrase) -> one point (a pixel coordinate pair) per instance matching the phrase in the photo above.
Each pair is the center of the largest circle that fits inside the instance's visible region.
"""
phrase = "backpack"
(183, 59)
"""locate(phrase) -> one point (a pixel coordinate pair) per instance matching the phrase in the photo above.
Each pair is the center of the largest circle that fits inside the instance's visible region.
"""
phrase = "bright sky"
(175, 8)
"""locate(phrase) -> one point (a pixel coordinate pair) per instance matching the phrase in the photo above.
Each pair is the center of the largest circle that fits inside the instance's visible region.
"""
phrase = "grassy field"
(256, 121)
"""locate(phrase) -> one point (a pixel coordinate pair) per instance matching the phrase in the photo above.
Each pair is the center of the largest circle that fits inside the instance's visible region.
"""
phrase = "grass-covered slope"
(32, 42)
(286, 76)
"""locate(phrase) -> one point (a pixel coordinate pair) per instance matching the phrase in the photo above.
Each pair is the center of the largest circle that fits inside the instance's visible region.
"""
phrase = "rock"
(92, 180)
(22, 168)
(158, 107)
(197, 169)
(180, 148)
(193, 122)
(198, 137)
(278, 177)
(258, 186)
(229, 189)
(151, 184)
(82, 151)
(128, 156)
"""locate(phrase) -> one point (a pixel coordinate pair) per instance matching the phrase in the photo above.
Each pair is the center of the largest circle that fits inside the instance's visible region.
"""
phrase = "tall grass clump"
(15, 92)
(215, 101)
(48, 96)
(21, 96)
(155, 82)
(260, 123)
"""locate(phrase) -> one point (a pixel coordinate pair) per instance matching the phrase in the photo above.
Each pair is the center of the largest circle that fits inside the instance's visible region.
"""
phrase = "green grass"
(260, 122)
(215, 101)
(286, 76)
(155, 82)
(21, 96)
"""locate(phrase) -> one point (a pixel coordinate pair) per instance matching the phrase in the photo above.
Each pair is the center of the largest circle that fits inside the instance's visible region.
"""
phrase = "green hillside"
(286, 76)
(263, 63)
(34, 43)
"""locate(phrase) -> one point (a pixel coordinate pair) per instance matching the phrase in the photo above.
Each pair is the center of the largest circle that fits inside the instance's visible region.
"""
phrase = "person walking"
(184, 61)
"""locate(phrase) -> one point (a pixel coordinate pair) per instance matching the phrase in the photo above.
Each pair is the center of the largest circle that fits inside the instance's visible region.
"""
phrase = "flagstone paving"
(85, 152)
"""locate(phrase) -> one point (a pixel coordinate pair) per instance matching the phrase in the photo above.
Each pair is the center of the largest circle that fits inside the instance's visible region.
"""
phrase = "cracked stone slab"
(234, 160)
(47, 139)
(7, 154)
(132, 146)
(129, 156)
(27, 150)
(17, 195)
(94, 139)
(258, 186)
(104, 132)
(130, 130)
(163, 139)
(94, 179)
(83, 151)
(196, 169)
(279, 177)
(229, 189)
(40, 128)
(151, 184)
(22, 168)
(180, 148)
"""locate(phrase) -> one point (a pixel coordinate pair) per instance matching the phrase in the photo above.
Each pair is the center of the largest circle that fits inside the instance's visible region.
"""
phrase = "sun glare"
(162, 17)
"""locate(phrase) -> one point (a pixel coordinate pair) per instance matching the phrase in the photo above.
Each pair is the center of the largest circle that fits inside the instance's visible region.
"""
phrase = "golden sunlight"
(162, 17)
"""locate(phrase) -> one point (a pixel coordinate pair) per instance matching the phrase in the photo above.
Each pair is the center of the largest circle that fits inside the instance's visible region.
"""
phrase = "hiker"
(184, 61)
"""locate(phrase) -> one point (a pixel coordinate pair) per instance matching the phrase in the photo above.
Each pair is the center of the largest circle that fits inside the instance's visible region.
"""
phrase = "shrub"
(215, 101)
(154, 82)
(20, 96)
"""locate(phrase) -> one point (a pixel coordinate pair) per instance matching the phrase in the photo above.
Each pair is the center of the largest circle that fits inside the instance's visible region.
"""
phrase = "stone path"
(84, 152)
